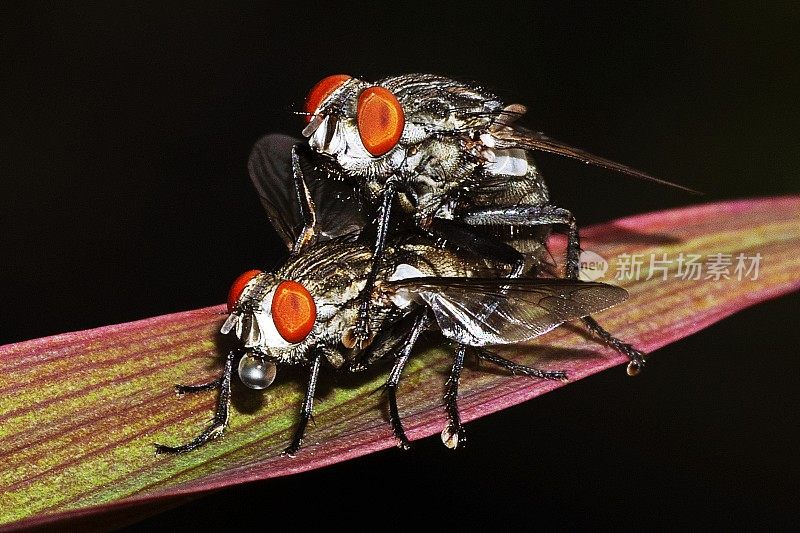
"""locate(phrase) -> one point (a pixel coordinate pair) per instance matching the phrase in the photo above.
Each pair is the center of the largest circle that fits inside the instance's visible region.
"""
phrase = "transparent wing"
(336, 203)
(482, 312)
(518, 137)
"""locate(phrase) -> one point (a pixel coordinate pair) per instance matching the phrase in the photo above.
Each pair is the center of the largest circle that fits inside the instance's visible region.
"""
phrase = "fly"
(451, 158)
(306, 312)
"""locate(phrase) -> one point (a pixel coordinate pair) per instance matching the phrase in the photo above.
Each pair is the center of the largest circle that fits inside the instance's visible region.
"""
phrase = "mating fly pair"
(432, 160)
(449, 160)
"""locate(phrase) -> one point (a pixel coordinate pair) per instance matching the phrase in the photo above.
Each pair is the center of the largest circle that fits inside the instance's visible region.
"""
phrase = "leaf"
(79, 411)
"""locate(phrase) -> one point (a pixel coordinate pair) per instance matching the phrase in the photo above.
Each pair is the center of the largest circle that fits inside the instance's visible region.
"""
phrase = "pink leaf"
(79, 412)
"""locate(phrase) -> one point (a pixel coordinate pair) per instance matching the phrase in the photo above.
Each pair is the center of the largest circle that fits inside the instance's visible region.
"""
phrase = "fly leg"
(636, 356)
(548, 215)
(307, 408)
(189, 389)
(394, 379)
(471, 239)
(361, 330)
(220, 420)
(305, 204)
(516, 369)
(453, 432)
(528, 215)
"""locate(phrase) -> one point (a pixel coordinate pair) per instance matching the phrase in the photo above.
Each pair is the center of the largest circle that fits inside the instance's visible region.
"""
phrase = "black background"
(125, 195)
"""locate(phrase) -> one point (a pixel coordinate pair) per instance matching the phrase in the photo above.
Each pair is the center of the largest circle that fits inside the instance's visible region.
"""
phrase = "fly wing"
(518, 137)
(336, 204)
(490, 311)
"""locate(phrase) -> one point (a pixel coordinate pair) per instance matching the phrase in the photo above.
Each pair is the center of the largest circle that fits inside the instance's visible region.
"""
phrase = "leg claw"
(290, 451)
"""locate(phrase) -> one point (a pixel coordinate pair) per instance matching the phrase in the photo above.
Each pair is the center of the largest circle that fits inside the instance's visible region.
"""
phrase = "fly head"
(311, 303)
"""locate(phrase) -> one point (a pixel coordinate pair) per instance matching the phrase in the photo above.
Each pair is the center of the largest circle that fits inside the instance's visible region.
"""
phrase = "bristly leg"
(308, 406)
(529, 215)
(220, 420)
(471, 239)
(636, 357)
(391, 391)
(453, 432)
(546, 215)
(517, 369)
(305, 204)
(361, 330)
(191, 389)
(394, 379)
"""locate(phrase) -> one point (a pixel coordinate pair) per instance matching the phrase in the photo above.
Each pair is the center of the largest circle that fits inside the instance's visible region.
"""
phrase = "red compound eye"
(293, 311)
(238, 287)
(380, 120)
(321, 91)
